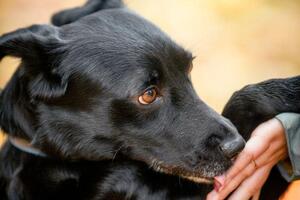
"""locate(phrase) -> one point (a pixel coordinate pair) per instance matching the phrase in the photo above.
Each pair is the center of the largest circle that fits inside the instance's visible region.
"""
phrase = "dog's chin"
(181, 172)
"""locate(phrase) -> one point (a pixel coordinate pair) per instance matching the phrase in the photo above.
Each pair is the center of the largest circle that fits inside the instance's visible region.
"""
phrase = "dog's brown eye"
(148, 96)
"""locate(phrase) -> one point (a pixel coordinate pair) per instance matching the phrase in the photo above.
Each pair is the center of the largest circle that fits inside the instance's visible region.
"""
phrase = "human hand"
(251, 169)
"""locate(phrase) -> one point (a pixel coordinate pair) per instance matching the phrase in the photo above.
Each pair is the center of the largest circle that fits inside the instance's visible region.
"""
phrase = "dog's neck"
(26, 146)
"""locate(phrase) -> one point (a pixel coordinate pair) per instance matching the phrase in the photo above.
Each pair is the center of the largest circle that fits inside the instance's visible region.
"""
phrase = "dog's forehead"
(120, 31)
(121, 49)
(114, 24)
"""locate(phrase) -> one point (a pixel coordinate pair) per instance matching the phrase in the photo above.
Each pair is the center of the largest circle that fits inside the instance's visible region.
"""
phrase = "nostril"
(214, 140)
(231, 147)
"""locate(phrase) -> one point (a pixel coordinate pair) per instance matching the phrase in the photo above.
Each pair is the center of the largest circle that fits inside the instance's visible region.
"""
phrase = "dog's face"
(113, 84)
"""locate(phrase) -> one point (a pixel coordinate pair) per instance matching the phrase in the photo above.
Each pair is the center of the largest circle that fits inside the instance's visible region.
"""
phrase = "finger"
(252, 185)
(236, 181)
(258, 143)
(259, 163)
(256, 196)
(252, 167)
(269, 156)
(213, 195)
(253, 149)
(243, 176)
(249, 171)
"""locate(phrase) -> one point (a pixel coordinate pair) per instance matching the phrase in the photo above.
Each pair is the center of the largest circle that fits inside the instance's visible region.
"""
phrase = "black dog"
(102, 107)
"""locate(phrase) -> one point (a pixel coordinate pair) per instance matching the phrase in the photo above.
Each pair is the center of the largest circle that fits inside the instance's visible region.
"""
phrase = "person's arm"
(290, 167)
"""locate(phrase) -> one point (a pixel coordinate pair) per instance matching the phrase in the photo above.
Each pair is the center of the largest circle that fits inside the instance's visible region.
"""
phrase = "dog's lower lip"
(159, 167)
(199, 179)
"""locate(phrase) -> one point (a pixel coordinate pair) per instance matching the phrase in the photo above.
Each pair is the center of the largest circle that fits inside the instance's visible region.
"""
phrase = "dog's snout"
(232, 146)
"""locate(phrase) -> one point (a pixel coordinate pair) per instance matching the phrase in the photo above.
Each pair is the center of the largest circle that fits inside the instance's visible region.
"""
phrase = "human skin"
(244, 180)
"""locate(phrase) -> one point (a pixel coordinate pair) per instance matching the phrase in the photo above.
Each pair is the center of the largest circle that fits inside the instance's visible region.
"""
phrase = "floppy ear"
(71, 15)
(37, 46)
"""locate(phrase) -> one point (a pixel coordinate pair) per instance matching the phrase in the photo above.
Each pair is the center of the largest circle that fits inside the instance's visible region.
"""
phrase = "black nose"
(231, 147)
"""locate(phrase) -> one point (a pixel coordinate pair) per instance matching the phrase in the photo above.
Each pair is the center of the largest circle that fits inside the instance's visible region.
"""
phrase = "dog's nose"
(232, 146)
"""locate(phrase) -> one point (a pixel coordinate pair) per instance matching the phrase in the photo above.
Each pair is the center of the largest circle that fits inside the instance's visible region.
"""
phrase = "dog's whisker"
(117, 151)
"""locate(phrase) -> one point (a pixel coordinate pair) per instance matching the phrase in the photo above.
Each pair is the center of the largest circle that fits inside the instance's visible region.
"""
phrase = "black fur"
(75, 97)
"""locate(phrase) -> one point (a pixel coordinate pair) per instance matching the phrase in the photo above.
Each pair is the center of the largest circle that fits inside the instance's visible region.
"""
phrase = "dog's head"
(113, 83)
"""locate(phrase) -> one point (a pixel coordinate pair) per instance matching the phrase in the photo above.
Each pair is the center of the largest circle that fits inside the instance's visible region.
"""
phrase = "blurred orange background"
(236, 42)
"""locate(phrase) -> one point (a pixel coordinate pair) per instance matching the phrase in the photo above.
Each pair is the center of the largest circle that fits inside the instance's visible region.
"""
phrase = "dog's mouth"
(194, 176)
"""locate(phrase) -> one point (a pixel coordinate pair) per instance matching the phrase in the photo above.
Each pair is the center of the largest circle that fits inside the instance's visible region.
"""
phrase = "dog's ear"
(71, 15)
(37, 46)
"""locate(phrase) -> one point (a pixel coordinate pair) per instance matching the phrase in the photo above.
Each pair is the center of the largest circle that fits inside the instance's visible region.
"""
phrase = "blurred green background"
(236, 42)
